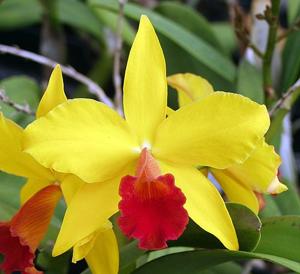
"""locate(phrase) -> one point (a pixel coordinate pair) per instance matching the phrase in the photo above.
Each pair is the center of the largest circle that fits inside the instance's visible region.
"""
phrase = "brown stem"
(284, 98)
(93, 87)
(20, 108)
(117, 59)
(272, 19)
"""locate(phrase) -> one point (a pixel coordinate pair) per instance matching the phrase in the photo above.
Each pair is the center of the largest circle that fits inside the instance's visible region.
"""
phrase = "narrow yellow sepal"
(145, 83)
(54, 94)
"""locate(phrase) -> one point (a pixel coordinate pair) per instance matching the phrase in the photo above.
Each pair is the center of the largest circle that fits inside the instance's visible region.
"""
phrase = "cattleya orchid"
(87, 138)
(20, 237)
(240, 182)
(13, 160)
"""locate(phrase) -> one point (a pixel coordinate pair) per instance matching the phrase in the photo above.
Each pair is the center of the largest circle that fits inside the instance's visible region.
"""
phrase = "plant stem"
(93, 87)
(279, 104)
(20, 108)
(256, 50)
(295, 27)
(267, 60)
(117, 59)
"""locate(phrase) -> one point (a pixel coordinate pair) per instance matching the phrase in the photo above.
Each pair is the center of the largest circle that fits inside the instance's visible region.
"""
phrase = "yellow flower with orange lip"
(13, 160)
(92, 141)
(239, 181)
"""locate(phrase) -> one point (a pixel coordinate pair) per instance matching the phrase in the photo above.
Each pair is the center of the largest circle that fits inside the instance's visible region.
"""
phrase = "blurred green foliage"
(190, 43)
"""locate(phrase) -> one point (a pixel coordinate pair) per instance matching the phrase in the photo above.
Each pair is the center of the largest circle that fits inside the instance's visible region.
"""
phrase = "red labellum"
(17, 256)
(20, 237)
(151, 206)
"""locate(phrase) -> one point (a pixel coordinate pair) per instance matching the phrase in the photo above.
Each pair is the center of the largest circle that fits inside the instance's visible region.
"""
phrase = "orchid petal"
(104, 256)
(12, 159)
(82, 137)
(204, 203)
(88, 211)
(218, 131)
(259, 171)
(145, 83)
(236, 191)
(32, 186)
(54, 94)
(190, 87)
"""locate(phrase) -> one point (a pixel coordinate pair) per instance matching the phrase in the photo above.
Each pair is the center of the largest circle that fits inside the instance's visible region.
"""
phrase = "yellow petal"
(190, 87)
(84, 246)
(54, 94)
(82, 137)
(276, 187)
(259, 171)
(69, 186)
(204, 203)
(104, 256)
(89, 211)
(92, 205)
(235, 191)
(32, 186)
(145, 83)
(12, 159)
(218, 131)
(170, 111)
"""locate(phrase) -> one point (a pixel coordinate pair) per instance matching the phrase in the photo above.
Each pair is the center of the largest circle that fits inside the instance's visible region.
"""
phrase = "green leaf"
(196, 24)
(53, 265)
(191, 20)
(193, 262)
(281, 237)
(290, 61)
(162, 252)
(280, 244)
(109, 18)
(19, 13)
(128, 257)
(271, 208)
(225, 268)
(246, 223)
(293, 7)
(192, 44)
(288, 202)
(226, 36)
(273, 135)
(9, 195)
(21, 90)
(247, 226)
(249, 82)
(79, 16)
(185, 62)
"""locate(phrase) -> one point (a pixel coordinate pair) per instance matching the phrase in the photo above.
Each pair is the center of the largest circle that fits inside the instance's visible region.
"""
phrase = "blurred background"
(205, 37)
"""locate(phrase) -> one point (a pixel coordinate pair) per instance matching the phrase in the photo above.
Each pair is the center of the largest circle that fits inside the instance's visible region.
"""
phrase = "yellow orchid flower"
(13, 160)
(240, 181)
(89, 139)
